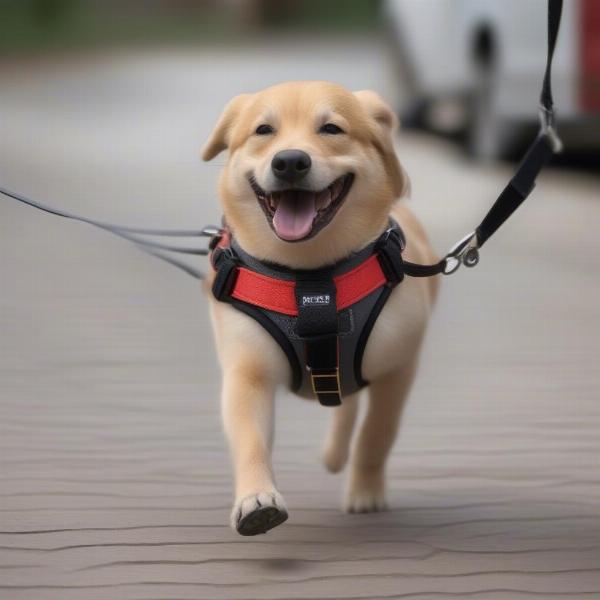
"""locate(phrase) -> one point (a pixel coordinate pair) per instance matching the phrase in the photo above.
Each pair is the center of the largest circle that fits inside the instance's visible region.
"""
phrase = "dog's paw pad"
(365, 501)
(257, 513)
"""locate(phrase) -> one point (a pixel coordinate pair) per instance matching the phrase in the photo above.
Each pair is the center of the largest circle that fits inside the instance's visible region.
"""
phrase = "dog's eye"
(331, 129)
(264, 129)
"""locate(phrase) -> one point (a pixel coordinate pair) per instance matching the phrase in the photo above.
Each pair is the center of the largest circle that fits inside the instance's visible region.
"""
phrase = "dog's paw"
(257, 513)
(365, 494)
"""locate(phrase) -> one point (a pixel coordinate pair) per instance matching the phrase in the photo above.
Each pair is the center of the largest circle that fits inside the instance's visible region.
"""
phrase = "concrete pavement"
(114, 476)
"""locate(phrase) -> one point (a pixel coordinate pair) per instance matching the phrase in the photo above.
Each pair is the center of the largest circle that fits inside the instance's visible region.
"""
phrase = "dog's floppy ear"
(220, 137)
(384, 125)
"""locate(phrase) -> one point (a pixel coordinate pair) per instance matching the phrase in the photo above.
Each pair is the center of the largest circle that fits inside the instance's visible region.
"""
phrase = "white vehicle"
(487, 58)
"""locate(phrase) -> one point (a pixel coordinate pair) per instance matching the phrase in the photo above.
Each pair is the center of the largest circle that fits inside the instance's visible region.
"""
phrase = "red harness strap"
(279, 294)
(314, 350)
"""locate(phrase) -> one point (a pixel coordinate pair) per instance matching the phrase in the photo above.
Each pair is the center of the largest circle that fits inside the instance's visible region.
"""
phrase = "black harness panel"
(324, 347)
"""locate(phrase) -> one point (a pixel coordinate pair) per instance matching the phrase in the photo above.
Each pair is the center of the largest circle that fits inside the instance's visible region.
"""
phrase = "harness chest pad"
(320, 318)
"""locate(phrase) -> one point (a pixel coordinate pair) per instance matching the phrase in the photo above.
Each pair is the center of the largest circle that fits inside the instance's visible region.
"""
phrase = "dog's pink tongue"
(294, 215)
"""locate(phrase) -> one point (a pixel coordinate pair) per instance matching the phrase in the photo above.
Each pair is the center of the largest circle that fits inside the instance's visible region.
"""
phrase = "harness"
(322, 318)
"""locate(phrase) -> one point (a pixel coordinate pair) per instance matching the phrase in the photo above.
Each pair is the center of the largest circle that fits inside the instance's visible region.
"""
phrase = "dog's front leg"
(248, 407)
(387, 395)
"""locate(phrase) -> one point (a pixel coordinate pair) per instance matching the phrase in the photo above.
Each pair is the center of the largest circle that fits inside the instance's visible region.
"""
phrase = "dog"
(311, 178)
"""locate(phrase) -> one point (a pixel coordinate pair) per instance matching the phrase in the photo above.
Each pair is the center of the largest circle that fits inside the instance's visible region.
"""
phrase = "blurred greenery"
(323, 14)
(46, 25)
(59, 25)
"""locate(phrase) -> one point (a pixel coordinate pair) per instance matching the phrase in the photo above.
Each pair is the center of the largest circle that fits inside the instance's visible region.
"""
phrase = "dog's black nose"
(290, 165)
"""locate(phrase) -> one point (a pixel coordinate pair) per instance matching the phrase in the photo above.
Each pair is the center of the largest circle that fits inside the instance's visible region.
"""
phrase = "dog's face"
(309, 162)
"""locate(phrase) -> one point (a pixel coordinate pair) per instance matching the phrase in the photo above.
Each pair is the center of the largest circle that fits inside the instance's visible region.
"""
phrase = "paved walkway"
(114, 476)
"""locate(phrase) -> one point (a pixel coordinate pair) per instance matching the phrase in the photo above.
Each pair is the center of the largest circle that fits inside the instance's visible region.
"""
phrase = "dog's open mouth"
(296, 215)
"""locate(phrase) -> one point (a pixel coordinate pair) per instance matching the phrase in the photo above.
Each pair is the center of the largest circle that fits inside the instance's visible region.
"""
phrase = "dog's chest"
(398, 330)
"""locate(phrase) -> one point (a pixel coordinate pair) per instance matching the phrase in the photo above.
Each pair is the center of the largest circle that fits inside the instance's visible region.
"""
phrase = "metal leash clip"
(465, 252)
(548, 128)
(210, 231)
(214, 233)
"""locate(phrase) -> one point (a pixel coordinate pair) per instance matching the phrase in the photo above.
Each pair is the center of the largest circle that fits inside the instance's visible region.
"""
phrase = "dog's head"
(311, 172)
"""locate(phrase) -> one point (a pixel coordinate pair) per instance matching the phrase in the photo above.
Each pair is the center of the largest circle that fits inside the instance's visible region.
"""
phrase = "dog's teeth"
(334, 189)
(323, 199)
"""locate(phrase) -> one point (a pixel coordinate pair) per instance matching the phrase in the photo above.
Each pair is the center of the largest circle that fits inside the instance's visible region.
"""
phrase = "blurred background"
(114, 476)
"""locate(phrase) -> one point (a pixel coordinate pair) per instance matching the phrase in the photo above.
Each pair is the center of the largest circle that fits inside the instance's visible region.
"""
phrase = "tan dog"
(348, 138)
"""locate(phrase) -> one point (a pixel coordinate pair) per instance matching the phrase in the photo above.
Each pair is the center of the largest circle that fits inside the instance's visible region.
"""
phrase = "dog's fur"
(253, 364)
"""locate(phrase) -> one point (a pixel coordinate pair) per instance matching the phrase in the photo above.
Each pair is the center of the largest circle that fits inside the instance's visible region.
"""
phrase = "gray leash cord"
(132, 234)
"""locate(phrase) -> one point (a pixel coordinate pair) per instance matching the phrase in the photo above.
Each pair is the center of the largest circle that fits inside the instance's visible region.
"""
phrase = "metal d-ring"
(465, 252)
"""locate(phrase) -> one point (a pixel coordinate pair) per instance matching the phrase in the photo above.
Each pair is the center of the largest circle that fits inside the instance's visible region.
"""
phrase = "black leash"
(465, 252)
(543, 148)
